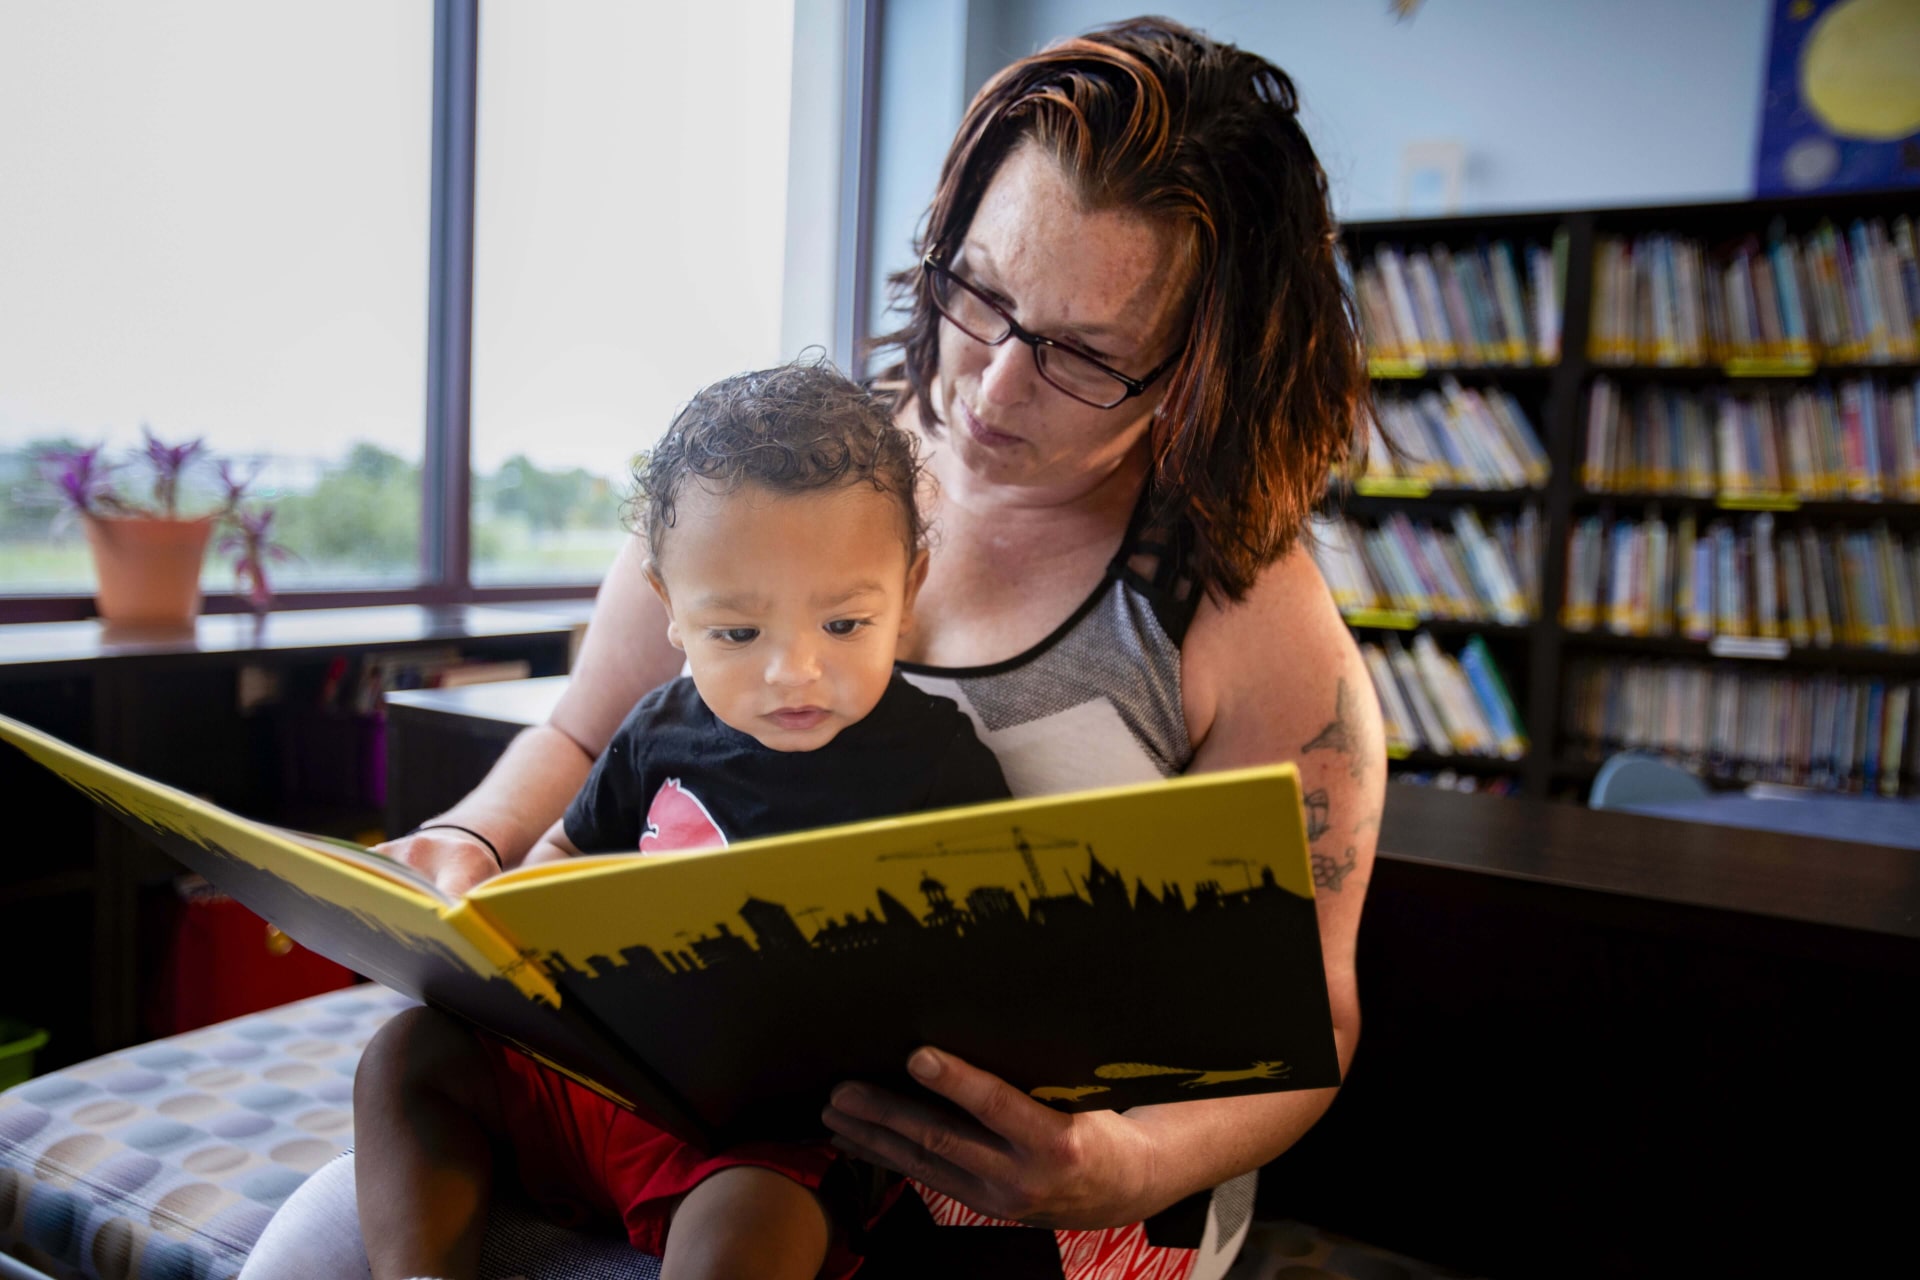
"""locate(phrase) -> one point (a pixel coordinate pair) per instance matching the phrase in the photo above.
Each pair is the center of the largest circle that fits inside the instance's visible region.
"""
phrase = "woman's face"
(1106, 282)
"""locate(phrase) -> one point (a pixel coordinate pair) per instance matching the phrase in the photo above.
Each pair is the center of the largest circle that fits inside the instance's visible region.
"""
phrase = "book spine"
(1893, 745)
(1596, 469)
(1393, 270)
(1401, 728)
(1513, 311)
(1436, 341)
(1874, 327)
(1799, 633)
(1487, 682)
(1431, 726)
(1766, 578)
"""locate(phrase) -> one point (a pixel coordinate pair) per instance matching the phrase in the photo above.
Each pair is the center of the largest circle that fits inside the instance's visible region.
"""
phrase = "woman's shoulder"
(1271, 649)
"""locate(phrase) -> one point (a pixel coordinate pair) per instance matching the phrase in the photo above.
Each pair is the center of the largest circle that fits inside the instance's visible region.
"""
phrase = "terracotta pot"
(148, 569)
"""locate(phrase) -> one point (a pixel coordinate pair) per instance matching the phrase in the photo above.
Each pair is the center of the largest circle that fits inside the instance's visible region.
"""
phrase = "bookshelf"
(1543, 659)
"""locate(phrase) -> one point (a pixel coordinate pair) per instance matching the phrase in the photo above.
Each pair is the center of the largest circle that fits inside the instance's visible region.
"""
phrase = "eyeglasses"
(1073, 372)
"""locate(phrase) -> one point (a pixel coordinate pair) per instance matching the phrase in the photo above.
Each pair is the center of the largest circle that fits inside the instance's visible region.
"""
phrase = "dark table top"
(1859, 819)
(39, 643)
(1837, 883)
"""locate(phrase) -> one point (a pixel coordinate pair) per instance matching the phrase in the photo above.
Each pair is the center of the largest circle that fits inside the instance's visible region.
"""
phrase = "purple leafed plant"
(84, 479)
(90, 485)
(168, 461)
(251, 545)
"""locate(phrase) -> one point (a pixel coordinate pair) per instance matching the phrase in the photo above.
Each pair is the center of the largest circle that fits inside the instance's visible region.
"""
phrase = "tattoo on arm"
(1342, 735)
(1328, 873)
(1317, 821)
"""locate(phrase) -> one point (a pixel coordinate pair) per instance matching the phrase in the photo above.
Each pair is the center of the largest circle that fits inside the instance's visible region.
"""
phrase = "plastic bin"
(18, 1043)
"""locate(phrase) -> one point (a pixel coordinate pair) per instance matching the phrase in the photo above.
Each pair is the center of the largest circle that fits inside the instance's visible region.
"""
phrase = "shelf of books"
(1434, 549)
(1625, 450)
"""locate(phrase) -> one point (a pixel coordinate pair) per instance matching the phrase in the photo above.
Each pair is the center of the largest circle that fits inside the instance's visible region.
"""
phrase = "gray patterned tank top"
(1097, 703)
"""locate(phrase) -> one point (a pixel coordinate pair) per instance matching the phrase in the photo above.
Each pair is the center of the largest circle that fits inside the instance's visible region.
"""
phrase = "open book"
(1111, 948)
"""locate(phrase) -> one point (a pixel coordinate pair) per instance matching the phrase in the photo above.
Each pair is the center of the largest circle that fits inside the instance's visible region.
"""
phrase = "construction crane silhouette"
(1244, 864)
(1021, 845)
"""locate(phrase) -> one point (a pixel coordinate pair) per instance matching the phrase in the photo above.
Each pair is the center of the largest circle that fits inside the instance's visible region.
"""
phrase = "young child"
(787, 549)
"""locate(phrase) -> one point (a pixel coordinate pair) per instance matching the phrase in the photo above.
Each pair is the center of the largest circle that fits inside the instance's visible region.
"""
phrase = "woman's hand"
(453, 861)
(1007, 1156)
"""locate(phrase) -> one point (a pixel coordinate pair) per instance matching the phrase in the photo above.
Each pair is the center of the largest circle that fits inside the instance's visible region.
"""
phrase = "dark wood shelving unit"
(1849, 658)
(1369, 503)
(1424, 760)
(1838, 511)
(1449, 627)
(1556, 396)
(1732, 375)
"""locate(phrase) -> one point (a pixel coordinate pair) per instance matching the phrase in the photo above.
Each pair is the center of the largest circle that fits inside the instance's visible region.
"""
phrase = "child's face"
(789, 606)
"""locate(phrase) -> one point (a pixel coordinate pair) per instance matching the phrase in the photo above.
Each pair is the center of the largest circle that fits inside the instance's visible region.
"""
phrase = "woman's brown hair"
(1149, 116)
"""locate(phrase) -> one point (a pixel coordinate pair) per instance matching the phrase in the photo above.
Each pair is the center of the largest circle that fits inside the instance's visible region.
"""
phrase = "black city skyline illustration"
(990, 909)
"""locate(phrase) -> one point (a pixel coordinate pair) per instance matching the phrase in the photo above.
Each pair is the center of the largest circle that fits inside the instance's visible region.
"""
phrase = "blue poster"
(1841, 106)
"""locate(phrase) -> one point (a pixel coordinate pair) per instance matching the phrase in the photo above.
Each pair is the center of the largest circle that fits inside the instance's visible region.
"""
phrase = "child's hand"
(453, 861)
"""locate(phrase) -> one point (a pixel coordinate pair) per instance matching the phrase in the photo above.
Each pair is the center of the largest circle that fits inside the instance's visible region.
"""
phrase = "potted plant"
(147, 554)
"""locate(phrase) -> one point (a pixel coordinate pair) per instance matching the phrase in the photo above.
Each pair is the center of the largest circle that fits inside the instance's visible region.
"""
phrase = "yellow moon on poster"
(1858, 69)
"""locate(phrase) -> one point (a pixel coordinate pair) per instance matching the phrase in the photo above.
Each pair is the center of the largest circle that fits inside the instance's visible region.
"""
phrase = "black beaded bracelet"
(454, 826)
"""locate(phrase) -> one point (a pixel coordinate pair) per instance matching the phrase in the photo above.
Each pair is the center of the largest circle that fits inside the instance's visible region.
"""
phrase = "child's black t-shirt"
(675, 776)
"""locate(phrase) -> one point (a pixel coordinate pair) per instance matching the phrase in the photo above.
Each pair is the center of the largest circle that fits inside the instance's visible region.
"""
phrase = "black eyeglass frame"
(1134, 386)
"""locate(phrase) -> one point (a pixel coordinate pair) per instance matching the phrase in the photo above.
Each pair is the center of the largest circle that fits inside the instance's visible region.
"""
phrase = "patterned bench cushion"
(167, 1160)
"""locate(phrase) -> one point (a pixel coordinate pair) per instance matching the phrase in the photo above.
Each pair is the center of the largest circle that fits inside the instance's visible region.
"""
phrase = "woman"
(1131, 363)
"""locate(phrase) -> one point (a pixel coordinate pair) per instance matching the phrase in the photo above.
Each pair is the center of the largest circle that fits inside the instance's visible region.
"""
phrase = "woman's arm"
(624, 655)
(1276, 677)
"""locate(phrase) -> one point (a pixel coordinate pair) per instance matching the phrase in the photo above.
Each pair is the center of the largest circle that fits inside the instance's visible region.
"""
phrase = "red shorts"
(581, 1158)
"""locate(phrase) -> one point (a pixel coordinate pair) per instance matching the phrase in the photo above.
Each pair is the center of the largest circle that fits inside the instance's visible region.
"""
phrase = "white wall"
(1559, 103)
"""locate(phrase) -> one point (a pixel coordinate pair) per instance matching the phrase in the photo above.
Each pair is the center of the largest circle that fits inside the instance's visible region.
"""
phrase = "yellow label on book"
(1756, 500)
(1392, 487)
(1780, 366)
(1386, 367)
(1389, 619)
(1398, 751)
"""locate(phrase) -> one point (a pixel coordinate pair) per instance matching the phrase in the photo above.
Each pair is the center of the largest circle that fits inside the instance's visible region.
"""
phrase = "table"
(1858, 819)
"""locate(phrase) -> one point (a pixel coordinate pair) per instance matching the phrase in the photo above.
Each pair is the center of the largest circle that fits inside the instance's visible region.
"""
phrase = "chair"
(1636, 777)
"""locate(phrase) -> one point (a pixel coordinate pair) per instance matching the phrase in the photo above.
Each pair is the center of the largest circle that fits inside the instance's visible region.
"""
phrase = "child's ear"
(916, 578)
(666, 602)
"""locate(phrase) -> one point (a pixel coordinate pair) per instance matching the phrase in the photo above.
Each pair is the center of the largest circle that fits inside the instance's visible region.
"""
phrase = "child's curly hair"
(794, 428)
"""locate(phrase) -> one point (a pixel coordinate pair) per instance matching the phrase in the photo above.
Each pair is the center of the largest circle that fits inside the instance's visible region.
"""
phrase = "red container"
(223, 961)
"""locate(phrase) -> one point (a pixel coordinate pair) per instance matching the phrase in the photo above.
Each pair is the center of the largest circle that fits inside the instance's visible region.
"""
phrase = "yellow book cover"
(1106, 949)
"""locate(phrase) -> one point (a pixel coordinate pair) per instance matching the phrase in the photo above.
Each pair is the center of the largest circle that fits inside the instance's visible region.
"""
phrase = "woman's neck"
(1097, 499)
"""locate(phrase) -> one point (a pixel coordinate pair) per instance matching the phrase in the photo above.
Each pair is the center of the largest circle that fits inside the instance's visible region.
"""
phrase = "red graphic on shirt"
(1111, 1253)
(677, 821)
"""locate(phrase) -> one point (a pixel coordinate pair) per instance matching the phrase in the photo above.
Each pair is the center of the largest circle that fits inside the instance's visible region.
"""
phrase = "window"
(629, 236)
(213, 220)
